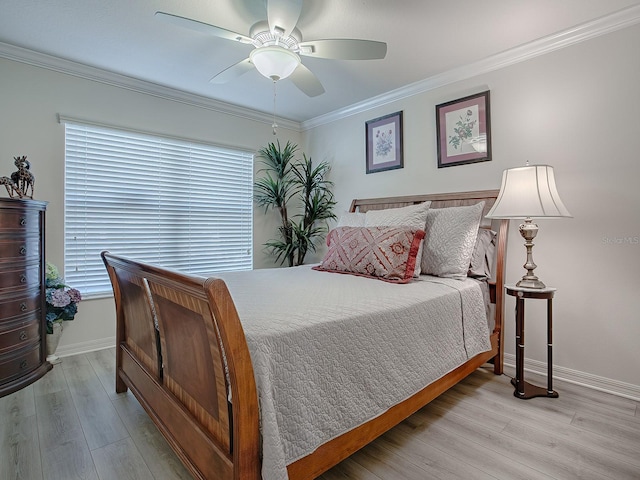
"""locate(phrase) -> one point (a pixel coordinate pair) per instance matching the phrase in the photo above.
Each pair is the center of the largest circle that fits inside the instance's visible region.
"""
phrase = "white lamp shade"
(528, 192)
(274, 62)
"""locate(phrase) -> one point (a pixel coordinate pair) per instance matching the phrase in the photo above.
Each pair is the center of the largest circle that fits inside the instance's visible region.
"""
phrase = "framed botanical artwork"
(384, 143)
(463, 129)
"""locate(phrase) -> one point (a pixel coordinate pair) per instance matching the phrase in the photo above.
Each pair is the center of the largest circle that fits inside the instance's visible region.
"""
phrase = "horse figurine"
(23, 179)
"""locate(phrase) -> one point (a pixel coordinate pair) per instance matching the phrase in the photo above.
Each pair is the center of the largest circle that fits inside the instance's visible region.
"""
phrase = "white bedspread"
(331, 351)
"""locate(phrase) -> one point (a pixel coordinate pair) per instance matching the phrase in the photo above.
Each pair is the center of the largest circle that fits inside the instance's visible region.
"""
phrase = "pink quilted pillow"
(385, 253)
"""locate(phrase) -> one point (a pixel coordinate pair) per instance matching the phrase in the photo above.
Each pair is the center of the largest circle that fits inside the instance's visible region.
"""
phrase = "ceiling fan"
(279, 44)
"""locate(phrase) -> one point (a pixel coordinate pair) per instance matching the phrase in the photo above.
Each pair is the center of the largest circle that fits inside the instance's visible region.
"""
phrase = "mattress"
(331, 351)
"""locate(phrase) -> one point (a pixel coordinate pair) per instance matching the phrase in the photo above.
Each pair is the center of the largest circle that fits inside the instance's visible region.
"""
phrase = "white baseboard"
(85, 347)
(603, 384)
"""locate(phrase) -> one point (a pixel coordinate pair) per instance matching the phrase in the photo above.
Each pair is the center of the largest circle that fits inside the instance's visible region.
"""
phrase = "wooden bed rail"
(178, 371)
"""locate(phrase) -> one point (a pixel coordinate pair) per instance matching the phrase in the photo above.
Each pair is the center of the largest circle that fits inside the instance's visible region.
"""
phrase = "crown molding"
(616, 21)
(68, 67)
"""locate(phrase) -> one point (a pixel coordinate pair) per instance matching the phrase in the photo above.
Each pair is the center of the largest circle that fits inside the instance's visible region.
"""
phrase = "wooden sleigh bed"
(212, 421)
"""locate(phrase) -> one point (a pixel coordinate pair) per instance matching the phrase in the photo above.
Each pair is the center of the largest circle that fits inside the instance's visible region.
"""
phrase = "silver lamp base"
(529, 230)
(530, 283)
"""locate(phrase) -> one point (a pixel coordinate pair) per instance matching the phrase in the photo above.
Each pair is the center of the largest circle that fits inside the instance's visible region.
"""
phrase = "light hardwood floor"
(72, 425)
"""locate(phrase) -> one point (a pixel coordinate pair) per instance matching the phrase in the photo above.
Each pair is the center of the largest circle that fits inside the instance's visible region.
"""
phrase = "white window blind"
(164, 201)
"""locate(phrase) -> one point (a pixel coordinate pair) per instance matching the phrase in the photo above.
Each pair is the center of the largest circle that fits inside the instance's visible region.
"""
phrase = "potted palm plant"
(285, 182)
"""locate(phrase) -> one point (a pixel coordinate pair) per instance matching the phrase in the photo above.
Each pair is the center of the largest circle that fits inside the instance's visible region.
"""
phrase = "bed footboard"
(182, 352)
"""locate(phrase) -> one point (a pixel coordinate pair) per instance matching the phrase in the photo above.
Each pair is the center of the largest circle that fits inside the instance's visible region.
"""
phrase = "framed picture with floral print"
(463, 130)
(384, 143)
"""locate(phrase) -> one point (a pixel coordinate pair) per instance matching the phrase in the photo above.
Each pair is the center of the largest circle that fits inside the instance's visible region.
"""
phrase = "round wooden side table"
(523, 389)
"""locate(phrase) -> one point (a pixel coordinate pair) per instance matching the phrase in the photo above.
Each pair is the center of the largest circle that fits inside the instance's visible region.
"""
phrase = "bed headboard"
(444, 200)
(438, 200)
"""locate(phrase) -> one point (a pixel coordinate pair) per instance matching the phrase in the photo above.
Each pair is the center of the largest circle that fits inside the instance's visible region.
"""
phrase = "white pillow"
(450, 239)
(351, 219)
(412, 216)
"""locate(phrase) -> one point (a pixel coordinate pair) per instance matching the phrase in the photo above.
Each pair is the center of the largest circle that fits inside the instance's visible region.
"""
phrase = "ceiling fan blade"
(283, 15)
(202, 27)
(233, 72)
(305, 80)
(344, 49)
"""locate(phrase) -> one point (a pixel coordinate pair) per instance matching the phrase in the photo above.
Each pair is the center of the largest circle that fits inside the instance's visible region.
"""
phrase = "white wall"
(30, 100)
(577, 109)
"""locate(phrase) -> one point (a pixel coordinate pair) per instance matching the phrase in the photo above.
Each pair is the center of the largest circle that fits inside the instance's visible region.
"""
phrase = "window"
(174, 203)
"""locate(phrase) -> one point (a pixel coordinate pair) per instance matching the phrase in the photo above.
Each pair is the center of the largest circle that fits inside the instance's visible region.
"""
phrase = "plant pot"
(52, 343)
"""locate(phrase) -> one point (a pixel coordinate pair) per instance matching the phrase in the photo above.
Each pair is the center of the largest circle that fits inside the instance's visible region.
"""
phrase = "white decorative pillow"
(450, 238)
(412, 216)
(351, 219)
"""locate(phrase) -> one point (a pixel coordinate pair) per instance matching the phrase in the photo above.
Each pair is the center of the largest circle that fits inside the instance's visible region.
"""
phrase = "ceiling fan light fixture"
(274, 62)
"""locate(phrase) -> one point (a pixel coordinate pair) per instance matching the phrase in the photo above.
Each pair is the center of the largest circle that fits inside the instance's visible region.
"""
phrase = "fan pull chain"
(274, 125)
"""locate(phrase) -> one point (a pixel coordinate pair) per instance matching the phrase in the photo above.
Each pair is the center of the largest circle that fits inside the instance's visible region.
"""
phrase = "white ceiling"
(425, 38)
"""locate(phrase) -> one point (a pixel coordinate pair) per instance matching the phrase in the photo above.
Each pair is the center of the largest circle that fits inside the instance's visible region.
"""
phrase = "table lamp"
(526, 193)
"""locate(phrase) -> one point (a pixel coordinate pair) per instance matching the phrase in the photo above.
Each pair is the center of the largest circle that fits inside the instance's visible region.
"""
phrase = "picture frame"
(384, 143)
(463, 130)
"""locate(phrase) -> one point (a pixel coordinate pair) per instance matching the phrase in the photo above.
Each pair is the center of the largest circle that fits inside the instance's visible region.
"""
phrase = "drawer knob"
(23, 221)
(23, 278)
(23, 250)
(23, 335)
(23, 364)
(23, 307)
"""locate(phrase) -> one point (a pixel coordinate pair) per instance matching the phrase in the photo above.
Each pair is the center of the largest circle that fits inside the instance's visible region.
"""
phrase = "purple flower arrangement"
(61, 299)
(384, 143)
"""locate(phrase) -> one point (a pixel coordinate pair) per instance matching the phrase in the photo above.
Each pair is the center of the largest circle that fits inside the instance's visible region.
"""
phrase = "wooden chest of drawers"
(22, 288)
